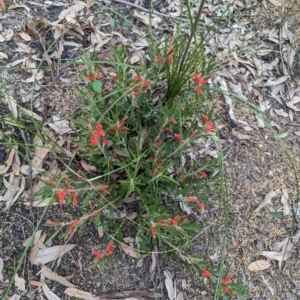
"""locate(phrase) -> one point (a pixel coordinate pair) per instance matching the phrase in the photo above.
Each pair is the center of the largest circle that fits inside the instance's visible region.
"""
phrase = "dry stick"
(146, 10)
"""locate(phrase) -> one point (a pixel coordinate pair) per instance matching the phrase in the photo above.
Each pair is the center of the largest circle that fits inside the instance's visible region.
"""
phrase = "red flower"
(51, 182)
(146, 84)
(170, 39)
(198, 91)
(206, 274)
(61, 194)
(93, 77)
(194, 200)
(53, 223)
(179, 137)
(164, 223)
(203, 174)
(175, 221)
(209, 127)
(153, 232)
(199, 80)
(135, 93)
(170, 59)
(120, 126)
(94, 141)
(103, 190)
(209, 124)
(204, 118)
(97, 254)
(138, 78)
(74, 198)
(109, 249)
(227, 279)
(193, 134)
(168, 129)
(227, 290)
(172, 120)
(154, 172)
(73, 224)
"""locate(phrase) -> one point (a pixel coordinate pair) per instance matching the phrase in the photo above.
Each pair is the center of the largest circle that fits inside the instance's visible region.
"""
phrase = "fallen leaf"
(47, 255)
(72, 10)
(279, 256)
(20, 283)
(128, 250)
(40, 202)
(3, 55)
(73, 292)
(36, 283)
(25, 36)
(155, 21)
(14, 192)
(267, 200)
(284, 201)
(39, 244)
(179, 296)
(2, 4)
(35, 238)
(280, 112)
(277, 2)
(291, 106)
(100, 231)
(169, 285)
(49, 294)
(15, 297)
(4, 168)
(87, 167)
(61, 126)
(259, 265)
(47, 272)
(286, 245)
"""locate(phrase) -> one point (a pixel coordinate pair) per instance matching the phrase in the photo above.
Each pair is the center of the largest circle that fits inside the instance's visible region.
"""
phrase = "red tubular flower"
(138, 78)
(176, 221)
(73, 224)
(179, 137)
(170, 59)
(154, 172)
(158, 58)
(97, 254)
(206, 274)
(103, 190)
(204, 118)
(51, 182)
(172, 120)
(94, 141)
(153, 232)
(146, 84)
(53, 223)
(109, 249)
(94, 76)
(193, 134)
(227, 279)
(168, 129)
(199, 80)
(227, 290)
(203, 174)
(194, 200)
(74, 198)
(209, 127)
(198, 91)
(61, 196)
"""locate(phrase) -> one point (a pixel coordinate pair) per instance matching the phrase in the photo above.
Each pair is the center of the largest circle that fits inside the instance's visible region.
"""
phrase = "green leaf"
(281, 135)
(97, 86)
(276, 214)
(112, 23)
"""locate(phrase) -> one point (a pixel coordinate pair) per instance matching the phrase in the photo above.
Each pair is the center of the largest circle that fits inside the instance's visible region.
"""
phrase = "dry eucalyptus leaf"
(169, 285)
(39, 244)
(286, 245)
(47, 255)
(278, 2)
(280, 112)
(72, 10)
(36, 237)
(87, 167)
(284, 201)
(25, 36)
(155, 21)
(279, 256)
(4, 168)
(60, 126)
(267, 200)
(15, 297)
(73, 292)
(49, 294)
(20, 283)
(259, 265)
(3, 55)
(100, 231)
(292, 106)
(13, 193)
(40, 202)
(48, 273)
(128, 250)
(179, 296)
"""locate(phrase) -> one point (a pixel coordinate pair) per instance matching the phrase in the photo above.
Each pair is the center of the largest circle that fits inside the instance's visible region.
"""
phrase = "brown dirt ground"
(254, 167)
